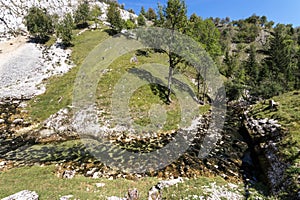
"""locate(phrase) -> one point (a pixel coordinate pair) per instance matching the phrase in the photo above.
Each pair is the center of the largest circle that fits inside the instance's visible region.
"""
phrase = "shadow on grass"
(159, 88)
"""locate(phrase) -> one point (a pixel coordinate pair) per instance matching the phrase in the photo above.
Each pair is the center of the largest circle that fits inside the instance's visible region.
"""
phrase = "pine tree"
(252, 67)
(114, 17)
(141, 20)
(143, 12)
(65, 29)
(151, 15)
(82, 14)
(39, 23)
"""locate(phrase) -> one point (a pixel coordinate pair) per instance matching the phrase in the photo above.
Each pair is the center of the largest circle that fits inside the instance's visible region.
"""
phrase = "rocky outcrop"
(12, 13)
(266, 135)
(23, 195)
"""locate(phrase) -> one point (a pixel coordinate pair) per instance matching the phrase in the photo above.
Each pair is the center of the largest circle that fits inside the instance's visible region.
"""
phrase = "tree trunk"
(170, 82)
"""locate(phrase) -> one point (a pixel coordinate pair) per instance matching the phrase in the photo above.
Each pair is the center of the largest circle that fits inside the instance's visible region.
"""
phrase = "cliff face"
(12, 12)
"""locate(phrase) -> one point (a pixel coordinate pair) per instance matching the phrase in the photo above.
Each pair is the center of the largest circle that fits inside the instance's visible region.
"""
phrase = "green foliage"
(82, 14)
(143, 12)
(65, 29)
(151, 15)
(205, 32)
(129, 24)
(161, 18)
(141, 20)
(95, 13)
(248, 30)
(281, 60)
(39, 23)
(114, 17)
(252, 67)
(175, 15)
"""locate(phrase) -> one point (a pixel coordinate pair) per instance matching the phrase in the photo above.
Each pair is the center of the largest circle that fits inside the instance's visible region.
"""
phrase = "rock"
(2, 121)
(45, 133)
(133, 194)
(18, 121)
(154, 194)
(69, 174)
(273, 104)
(98, 185)
(67, 197)
(168, 183)
(91, 172)
(23, 195)
(96, 175)
(115, 198)
(2, 163)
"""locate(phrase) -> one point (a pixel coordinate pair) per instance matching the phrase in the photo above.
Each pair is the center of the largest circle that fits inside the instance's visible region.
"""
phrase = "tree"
(143, 12)
(263, 21)
(39, 23)
(281, 60)
(65, 29)
(151, 15)
(252, 67)
(161, 18)
(131, 11)
(95, 13)
(175, 19)
(141, 20)
(205, 32)
(129, 24)
(82, 14)
(114, 17)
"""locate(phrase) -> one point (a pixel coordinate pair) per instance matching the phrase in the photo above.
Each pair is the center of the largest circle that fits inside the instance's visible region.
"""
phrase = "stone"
(133, 194)
(45, 133)
(96, 175)
(154, 194)
(2, 121)
(3, 163)
(18, 121)
(91, 172)
(98, 185)
(168, 183)
(69, 174)
(67, 197)
(115, 198)
(23, 195)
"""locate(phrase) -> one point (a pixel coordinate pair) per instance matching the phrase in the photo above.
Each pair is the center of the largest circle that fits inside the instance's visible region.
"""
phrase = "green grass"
(44, 181)
(48, 186)
(288, 115)
(59, 89)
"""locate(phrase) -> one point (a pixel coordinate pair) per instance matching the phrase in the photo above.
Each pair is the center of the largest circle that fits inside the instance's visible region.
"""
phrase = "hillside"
(236, 146)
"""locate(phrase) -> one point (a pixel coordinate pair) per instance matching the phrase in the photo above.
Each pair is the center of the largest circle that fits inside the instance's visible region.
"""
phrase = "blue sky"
(280, 11)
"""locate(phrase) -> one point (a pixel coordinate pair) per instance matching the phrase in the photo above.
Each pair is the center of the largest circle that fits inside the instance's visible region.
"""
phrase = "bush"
(39, 24)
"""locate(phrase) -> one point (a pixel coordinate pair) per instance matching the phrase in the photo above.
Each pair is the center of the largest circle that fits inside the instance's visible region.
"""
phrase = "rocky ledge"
(266, 135)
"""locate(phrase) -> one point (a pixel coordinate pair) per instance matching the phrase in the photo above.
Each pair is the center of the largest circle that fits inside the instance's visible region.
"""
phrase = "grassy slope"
(44, 181)
(59, 87)
(288, 115)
